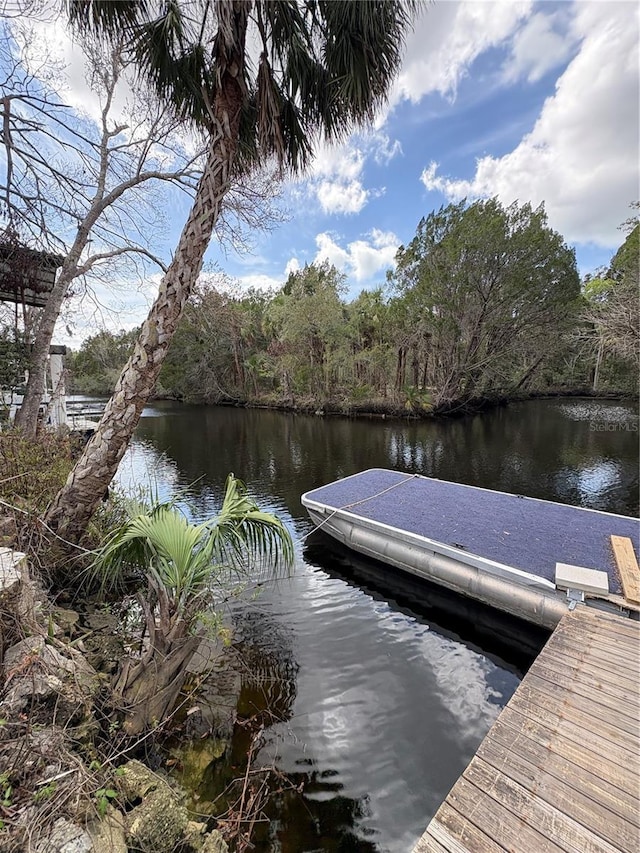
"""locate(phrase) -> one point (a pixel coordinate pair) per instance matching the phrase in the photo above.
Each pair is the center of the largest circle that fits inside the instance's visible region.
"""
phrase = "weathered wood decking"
(560, 768)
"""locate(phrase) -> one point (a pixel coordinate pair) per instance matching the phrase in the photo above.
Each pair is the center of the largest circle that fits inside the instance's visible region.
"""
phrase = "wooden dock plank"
(563, 756)
(599, 679)
(557, 827)
(553, 682)
(459, 834)
(490, 811)
(560, 768)
(542, 709)
(625, 653)
(626, 647)
(580, 711)
(627, 566)
(599, 648)
(571, 741)
(574, 670)
(626, 627)
(562, 728)
(580, 647)
(552, 669)
(619, 602)
(573, 654)
(578, 796)
(430, 844)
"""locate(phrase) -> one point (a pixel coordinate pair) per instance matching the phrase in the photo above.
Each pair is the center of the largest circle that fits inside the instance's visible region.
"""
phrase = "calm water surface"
(380, 688)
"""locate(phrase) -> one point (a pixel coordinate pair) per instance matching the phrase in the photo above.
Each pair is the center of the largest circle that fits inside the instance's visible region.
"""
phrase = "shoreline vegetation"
(106, 648)
(485, 305)
(383, 409)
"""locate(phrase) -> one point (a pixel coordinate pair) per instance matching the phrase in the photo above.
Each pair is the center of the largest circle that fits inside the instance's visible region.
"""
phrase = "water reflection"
(387, 713)
(145, 470)
(508, 641)
(536, 448)
(377, 696)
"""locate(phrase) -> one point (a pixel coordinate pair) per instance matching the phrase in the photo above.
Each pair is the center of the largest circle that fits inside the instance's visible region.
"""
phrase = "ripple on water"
(380, 709)
(387, 711)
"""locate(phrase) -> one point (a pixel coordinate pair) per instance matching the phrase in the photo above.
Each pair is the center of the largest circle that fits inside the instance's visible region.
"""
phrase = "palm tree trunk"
(149, 691)
(80, 496)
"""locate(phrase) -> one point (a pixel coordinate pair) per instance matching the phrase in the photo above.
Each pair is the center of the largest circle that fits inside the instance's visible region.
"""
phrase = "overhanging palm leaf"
(241, 528)
(184, 558)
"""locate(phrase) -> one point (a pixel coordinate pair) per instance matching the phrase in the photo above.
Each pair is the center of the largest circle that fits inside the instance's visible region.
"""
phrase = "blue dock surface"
(528, 534)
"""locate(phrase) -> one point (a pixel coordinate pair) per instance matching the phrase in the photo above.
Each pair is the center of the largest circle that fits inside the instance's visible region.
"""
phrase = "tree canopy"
(612, 312)
(485, 301)
(485, 284)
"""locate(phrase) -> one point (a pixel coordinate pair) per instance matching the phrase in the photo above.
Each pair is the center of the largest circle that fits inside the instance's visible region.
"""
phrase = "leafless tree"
(88, 190)
(95, 191)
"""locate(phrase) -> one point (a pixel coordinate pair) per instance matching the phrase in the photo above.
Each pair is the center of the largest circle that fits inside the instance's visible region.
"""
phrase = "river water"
(379, 689)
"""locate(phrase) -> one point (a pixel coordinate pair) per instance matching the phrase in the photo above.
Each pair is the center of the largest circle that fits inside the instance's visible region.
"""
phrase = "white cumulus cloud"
(362, 259)
(329, 250)
(543, 43)
(335, 197)
(384, 148)
(335, 178)
(581, 158)
(343, 162)
(447, 38)
(261, 281)
(293, 265)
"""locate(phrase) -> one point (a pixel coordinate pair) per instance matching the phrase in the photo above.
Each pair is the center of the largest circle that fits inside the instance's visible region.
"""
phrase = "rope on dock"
(357, 503)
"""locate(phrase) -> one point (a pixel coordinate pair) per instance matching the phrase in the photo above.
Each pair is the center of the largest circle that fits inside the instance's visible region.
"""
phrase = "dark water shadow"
(510, 643)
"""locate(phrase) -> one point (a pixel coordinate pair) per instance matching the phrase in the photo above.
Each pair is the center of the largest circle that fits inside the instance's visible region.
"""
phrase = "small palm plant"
(181, 562)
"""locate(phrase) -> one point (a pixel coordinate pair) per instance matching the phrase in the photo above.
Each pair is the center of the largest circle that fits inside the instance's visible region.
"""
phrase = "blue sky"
(527, 101)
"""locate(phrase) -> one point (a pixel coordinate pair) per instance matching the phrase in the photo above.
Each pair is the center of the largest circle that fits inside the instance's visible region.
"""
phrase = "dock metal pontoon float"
(528, 557)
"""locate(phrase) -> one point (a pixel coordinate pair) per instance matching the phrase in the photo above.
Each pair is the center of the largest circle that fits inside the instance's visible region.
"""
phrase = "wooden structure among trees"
(559, 770)
(26, 275)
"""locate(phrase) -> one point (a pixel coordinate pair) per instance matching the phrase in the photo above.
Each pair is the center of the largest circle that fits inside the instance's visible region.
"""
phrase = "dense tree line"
(485, 300)
(96, 367)
(612, 314)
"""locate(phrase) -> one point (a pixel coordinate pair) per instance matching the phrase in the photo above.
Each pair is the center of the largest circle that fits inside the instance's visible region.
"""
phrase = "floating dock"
(495, 547)
(559, 771)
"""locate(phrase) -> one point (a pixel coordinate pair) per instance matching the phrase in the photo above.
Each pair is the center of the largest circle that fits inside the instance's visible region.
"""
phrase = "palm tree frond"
(182, 557)
(326, 65)
(362, 50)
(104, 16)
(242, 531)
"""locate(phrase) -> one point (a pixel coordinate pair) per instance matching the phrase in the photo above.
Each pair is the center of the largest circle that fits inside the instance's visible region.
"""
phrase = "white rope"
(358, 503)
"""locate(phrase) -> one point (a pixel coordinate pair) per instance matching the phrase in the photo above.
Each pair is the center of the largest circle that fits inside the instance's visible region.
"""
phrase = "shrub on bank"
(33, 470)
